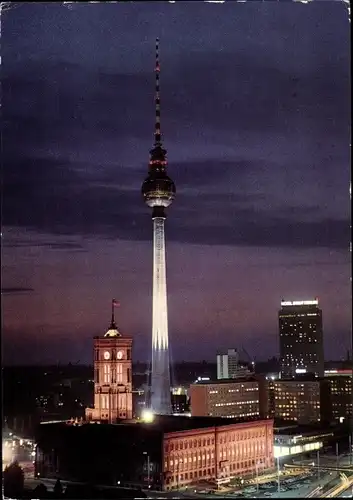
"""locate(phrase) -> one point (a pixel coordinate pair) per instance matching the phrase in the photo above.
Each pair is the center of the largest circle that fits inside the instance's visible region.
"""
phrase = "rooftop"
(221, 381)
(300, 377)
(160, 424)
(171, 423)
(307, 430)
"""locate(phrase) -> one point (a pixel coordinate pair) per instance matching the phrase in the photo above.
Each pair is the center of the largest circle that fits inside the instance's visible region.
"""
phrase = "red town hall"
(112, 376)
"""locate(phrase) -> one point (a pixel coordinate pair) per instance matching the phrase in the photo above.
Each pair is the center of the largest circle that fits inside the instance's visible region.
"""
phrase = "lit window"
(106, 374)
(119, 373)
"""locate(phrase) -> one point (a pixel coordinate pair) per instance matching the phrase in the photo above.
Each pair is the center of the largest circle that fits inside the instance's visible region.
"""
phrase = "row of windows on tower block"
(107, 402)
(113, 375)
(298, 324)
(306, 354)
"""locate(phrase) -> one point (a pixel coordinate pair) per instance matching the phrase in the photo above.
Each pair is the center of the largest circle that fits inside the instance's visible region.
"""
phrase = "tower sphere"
(158, 189)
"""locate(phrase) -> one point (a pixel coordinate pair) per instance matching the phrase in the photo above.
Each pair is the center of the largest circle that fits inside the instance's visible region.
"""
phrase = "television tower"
(158, 191)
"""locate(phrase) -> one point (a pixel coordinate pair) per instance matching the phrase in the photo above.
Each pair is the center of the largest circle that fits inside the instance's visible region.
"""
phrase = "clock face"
(106, 354)
(120, 354)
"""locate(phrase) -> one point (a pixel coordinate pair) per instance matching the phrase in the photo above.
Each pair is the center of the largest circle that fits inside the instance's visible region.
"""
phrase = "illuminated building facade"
(226, 398)
(340, 393)
(170, 452)
(291, 441)
(112, 376)
(303, 401)
(217, 453)
(158, 191)
(301, 338)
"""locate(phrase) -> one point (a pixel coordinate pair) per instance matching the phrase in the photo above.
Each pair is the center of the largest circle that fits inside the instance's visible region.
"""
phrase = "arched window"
(119, 373)
(106, 374)
(105, 402)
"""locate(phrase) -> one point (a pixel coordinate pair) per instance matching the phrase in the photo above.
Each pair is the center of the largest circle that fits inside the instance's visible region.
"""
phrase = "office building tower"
(226, 398)
(228, 366)
(305, 400)
(158, 191)
(301, 338)
(340, 382)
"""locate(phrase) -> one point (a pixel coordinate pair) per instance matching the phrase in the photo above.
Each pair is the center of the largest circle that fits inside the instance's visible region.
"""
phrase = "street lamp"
(278, 480)
(148, 467)
(318, 464)
(147, 416)
(257, 476)
(177, 469)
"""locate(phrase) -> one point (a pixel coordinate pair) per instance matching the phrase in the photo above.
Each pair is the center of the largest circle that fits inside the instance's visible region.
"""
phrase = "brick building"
(217, 453)
(170, 452)
(234, 398)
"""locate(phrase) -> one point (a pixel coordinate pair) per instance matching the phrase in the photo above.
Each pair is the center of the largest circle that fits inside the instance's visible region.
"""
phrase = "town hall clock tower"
(112, 376)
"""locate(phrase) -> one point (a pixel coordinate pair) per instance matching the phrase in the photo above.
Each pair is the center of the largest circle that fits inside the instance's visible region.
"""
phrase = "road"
(348, 493)
(332, 485)
(345, 484)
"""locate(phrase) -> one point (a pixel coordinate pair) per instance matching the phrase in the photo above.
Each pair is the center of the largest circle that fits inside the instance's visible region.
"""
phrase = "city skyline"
(257, 131)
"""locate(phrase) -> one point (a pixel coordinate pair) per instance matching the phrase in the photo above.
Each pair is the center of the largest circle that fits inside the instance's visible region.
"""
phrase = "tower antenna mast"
(157, 132)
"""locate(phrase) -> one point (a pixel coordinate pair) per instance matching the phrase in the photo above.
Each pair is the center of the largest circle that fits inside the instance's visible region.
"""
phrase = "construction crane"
(249, 358)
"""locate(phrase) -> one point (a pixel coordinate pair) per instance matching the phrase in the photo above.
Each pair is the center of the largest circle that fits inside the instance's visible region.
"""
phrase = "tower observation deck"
(158, 191)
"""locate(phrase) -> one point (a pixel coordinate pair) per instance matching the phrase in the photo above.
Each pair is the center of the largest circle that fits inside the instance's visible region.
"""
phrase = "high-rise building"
(158, 191)
(226, 398)
(112, 376)
(301, 338)
(305, 400)
(341, 393)
(228, 366)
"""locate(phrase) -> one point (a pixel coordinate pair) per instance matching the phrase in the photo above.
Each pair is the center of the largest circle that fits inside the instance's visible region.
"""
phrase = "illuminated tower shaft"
(158, 191)
(160, 377)
(160, 308)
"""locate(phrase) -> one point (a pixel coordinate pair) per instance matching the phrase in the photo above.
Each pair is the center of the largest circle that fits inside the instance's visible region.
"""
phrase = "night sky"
(255, 109)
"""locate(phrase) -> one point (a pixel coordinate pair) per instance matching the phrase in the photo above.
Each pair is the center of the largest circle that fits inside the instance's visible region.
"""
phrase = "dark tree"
(14, 479)
(40, 491)
(58, 489)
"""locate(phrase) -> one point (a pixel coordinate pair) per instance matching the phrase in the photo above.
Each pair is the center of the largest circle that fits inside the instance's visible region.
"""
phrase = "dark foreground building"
(170, 452)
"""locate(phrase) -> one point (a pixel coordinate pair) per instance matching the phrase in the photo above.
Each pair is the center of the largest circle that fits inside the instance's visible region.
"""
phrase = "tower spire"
(115, 304)
(113, 329)
(112, 324)
(157, 132)
(158, 154)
